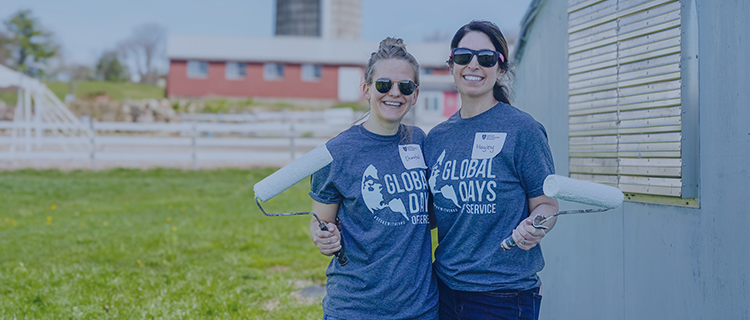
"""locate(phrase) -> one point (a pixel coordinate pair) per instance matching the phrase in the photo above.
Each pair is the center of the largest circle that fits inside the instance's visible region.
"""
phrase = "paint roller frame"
(296, 171)
(340, 255)
(539, 219)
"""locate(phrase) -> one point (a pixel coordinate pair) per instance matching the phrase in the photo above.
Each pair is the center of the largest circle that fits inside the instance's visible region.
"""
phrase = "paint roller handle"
(341, 254)
(508, 243)
(539, 219)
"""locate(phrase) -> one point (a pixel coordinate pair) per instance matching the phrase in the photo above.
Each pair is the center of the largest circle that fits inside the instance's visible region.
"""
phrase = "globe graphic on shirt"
(447, 190)
(372, 194)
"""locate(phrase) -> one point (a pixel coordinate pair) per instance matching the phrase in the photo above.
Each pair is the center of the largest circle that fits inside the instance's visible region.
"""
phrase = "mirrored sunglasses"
(407, 87)
(485, 58)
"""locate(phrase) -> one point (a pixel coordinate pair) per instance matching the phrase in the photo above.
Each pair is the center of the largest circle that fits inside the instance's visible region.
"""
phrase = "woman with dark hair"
(376, 187)
(487, 164)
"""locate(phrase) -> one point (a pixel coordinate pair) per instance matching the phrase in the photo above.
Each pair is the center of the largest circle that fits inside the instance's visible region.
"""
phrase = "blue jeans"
(327, 317)
(499, 304)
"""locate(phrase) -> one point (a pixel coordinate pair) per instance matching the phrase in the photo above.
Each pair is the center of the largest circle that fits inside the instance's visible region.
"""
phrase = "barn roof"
(291, 49)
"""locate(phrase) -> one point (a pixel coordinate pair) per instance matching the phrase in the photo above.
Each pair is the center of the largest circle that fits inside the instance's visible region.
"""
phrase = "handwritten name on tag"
(487, 144)
(411, 156)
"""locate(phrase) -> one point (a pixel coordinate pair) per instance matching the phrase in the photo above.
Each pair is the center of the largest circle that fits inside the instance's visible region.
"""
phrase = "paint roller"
(585, 192)
(288, 176)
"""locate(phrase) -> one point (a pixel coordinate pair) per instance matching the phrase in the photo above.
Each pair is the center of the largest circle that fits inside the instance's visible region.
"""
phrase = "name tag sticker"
(411, 156)
(487, 144)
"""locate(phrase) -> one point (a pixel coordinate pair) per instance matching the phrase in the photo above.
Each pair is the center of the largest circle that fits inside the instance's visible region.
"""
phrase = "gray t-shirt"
(380, 185)
(482, 171)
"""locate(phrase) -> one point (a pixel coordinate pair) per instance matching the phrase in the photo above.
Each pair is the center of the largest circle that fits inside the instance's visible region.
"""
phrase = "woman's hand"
(328, 242)
(526, 236)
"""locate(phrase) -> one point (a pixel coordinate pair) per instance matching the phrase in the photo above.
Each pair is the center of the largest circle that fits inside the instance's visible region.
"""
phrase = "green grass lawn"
(156, 244)
(89, 89)
(9, 98)
(115, 90)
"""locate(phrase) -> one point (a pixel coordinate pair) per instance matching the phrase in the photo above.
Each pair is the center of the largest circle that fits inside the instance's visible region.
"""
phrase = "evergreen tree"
(30, 46)
(109, 68)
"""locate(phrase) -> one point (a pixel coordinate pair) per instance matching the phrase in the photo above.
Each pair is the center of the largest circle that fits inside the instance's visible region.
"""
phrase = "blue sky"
(86, 28)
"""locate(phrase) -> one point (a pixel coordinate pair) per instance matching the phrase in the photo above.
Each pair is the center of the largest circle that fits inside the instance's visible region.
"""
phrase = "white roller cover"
(580, 191)
(292, 173)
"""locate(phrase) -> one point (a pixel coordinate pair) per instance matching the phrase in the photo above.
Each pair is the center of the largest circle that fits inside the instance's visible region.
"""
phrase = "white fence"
(261, 139)
(327, 116)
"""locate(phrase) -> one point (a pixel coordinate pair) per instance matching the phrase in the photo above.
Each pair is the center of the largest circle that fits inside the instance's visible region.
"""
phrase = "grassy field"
(90, 89)
(156, 244)
(115, 90)
(9, 98)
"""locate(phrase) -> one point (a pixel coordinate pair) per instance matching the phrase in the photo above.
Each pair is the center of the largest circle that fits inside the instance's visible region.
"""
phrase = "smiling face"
(387, 109)
(473, 80)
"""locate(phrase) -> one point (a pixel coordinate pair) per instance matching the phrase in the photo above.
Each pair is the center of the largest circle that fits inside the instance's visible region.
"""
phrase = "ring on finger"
(523, 242)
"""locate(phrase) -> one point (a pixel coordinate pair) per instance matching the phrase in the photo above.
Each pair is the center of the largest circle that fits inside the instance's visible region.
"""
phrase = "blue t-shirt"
(380, 185)
(482, 171)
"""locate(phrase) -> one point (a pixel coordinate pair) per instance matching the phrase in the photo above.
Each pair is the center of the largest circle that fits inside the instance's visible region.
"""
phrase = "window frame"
(587, 44)
(273, 71)
(311, 72)
(200, 65)
(238, 71)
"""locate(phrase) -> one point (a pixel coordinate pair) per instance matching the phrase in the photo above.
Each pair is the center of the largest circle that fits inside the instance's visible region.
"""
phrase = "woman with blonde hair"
(373, 197)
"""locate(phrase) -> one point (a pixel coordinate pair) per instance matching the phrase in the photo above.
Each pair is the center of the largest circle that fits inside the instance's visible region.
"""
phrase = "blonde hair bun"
(389, 42)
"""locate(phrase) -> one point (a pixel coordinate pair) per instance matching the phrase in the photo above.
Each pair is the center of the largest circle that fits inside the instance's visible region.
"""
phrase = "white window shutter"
(624, 94)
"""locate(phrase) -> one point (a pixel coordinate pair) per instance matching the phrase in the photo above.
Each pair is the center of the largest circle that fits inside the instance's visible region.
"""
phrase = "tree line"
(27, 47)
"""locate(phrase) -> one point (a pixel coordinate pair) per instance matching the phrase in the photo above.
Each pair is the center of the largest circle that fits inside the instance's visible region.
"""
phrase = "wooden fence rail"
(168, 144)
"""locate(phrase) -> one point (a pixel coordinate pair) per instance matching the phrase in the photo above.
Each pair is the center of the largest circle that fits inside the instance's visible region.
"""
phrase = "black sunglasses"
(486, 58)
(406, 87)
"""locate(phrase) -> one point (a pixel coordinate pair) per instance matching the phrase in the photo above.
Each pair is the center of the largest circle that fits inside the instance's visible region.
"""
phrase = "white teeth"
(395, 104)
(472, 78)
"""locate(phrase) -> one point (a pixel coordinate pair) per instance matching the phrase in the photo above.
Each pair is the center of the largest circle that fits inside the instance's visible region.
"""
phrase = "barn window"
(632, 114)
(234, 70)
(197, 69)
(312, 72)
(273, 71)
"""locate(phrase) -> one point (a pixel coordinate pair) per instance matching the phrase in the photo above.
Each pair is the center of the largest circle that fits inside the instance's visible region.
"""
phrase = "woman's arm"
(328, 242)
(525, 235)
(545, 206)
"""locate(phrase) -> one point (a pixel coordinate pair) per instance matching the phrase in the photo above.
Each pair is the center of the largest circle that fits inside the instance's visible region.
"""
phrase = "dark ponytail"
(501, 93)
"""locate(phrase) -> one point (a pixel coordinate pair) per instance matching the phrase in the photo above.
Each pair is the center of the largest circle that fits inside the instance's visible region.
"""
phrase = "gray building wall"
(334, 19)
(644, 261)
(298, 18)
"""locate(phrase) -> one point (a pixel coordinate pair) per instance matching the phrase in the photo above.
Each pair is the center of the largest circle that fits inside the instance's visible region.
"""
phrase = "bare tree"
(143, 50)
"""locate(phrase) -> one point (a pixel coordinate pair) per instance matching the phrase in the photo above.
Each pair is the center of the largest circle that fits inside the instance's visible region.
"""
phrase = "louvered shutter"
(624, 94)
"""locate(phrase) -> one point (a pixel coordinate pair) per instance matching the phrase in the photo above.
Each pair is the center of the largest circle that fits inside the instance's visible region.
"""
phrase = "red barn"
(304, 69)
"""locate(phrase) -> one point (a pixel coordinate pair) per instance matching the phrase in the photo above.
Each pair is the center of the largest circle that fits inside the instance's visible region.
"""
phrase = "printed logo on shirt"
(469, 185)
(411, 156)
(407, 193)
(487, 144)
